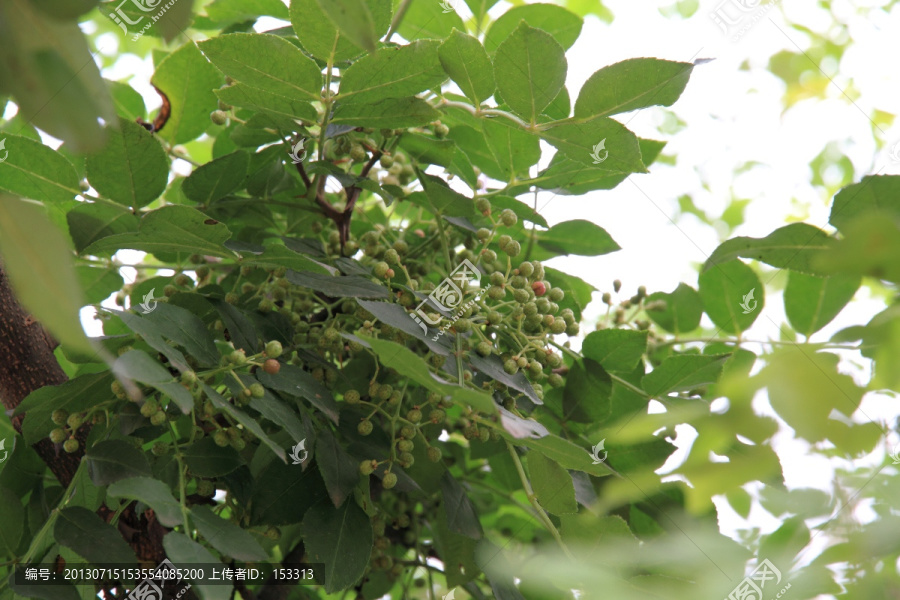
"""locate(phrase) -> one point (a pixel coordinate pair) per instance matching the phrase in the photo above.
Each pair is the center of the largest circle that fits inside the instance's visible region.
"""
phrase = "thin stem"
(534, 502)
(398, 18)
(182, 492)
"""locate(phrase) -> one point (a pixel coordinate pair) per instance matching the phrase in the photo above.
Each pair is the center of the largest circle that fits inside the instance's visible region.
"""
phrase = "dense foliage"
(343, 347)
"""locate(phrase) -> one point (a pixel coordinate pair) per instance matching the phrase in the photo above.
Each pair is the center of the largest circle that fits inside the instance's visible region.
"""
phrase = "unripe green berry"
(441, 130)
(58, 435)
(508, 217)
(483, 234)
(484, 348)
(206, 488)
(257, 390)
(489, 255)
(392, 257)
(484, 434)
(526, 269)
(484, 206)
(617, 285)
(158, 418)
(358, 153)
(238, 444)
(71, 445)
(381, 268)
(184, 280)
(559, 326)
(366, 467)
(518, 282)
(364, 427)
(462, 325)
(219, 117)
(408, 432)
(159, 449)
(522, 362)
(221, 438)
(555, 380)
(521, 296)
(59, 416)
(274, 349)
(434, 454)
(389, 481)
(351, 397)
(405, 445)
(510, 367)
(502, 241)
(386, 161)
(572, 329)
(406, 459)
(497, 293)
(556, 294)
(238, 357)
(414, 415)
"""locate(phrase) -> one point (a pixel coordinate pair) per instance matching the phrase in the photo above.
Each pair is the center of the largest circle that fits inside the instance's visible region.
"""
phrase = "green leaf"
(243, 419)
(91, 537)
(726, 293)
(47, 67)
(206, 459)
(805, 387)
(319, 35)
(171, 229)
(267, 62)
(875, 193)
(682, 312)
(586, 397)
(407, 363)
(264, 101)
(37, 258)
(132, 169)
(564, 26)
(577, 237)
(283, 493)
(32, 170)
(12, 520)
(235, 11)
(152, 492)
(569, 177)
(225, 536)
(294, 381)
(112, 460)
(615, 349)
(789, 247)
(75, 395)
(185, 552)
(217, 178)
(552, 485)
(140, 366)
(564, 452)
(281, 256)
(870, 246)
(393, 73)
(89, 222)
(461, 515)
(169, 22)
(391, 113)
(630, 85)
(188, 80)
(616, 147)
(353, 20)
(429, 20)
(682, 373)
(345, 286)
(98, 283)
(185, 329)
(341, 538)
(339, 470)
(515, 150)
(530, 69)
(466, 62)
(812, 302)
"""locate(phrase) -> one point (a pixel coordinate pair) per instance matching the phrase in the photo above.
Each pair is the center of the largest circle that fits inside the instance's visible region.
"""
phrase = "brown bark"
(27, 363)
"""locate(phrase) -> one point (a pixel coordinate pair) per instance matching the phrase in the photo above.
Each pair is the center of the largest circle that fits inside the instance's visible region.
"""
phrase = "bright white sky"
(733, 117)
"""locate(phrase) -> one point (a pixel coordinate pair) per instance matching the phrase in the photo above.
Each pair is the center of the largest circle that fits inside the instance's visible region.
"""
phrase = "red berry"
(271, 366)
(539, 288)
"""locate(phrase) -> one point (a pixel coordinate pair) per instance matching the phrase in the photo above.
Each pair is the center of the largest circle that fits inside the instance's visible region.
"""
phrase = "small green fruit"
(389, 481)
(351, 397)
(257, 390)
(434, 454)
(58, 435)
(71, 445)
(221, 438)
(219, 117)
(364, 427)
(59, 416)
(366, 467)
(159, 418)
(508, 217)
